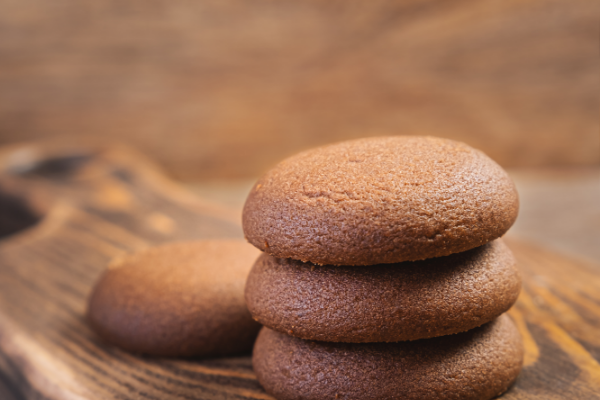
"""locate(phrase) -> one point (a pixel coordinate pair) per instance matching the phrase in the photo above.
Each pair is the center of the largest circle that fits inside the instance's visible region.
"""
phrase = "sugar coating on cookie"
(380, 200)
(475, 365)
(177, 300)
(387, 302)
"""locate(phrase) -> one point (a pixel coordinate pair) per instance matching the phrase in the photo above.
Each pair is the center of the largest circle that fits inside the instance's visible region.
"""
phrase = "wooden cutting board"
(66, 211)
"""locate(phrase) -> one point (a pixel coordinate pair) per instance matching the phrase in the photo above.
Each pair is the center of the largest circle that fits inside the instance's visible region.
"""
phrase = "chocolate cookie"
(474, 365)
(380, 200)
(179, 300)
(387, 302)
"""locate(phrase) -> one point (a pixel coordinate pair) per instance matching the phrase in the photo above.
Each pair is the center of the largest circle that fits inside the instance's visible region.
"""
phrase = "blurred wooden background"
(225, 89)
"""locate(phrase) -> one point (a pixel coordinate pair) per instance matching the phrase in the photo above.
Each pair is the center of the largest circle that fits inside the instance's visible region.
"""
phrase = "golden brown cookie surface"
(384, 303)
(177, 300)
(474, 365)
(380, 200)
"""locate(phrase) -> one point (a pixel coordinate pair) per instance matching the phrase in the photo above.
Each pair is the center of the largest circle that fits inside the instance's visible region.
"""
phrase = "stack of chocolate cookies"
(383, 274)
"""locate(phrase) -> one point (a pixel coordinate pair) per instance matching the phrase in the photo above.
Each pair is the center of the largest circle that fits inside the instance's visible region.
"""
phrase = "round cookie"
(177, 300)
(474, 365)
(387, 302)
(380, 200)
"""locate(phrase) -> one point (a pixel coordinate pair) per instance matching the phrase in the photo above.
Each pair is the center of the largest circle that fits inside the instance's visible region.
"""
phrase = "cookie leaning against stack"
(384, 240)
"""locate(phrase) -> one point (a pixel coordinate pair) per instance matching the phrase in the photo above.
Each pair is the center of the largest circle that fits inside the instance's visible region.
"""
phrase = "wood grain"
(226, 88)
(94, 205)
